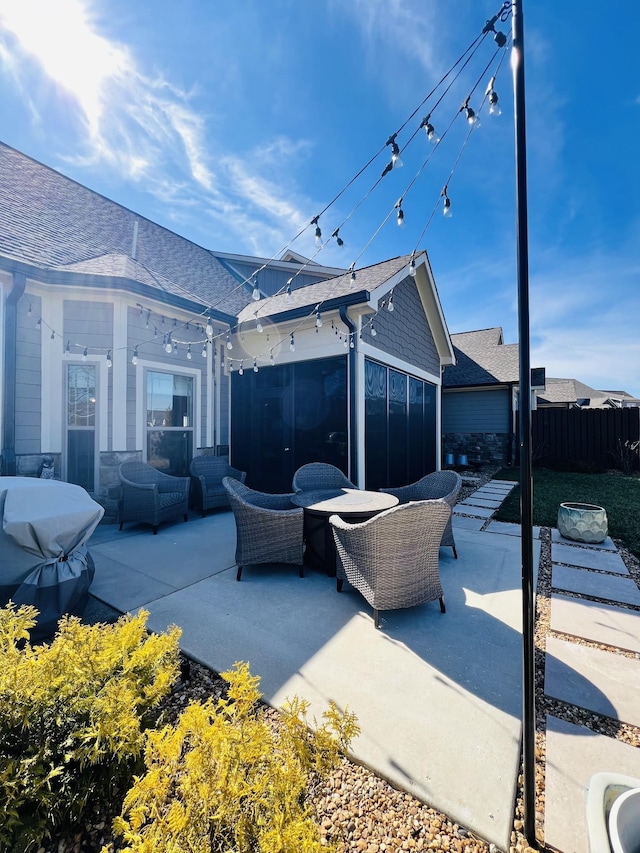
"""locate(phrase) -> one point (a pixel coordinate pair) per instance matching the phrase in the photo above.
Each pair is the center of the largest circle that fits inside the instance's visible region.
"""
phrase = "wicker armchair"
(149, 496)
(207, 473)
(438, 484)
(392, 558)
(269, 529)
(320, 475)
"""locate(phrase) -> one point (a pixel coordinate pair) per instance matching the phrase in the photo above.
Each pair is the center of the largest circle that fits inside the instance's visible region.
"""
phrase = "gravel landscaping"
(358, 811)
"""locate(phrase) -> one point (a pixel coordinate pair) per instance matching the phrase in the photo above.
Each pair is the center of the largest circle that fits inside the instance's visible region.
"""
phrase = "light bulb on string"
(241, 370)
(148, 318)
(400, 214)
(412, 267)
(339, 239)
(396, 162)
(272, 360)
(318, 233)
(29, 309)
(255, 294)
(134, 358)
(229, 342)
(53, 336)
(287, 297)
(446, 204)
(230, 366)
(292, 343)
(168, 346)
(352, 343)
(67, 349)
(345, 342)
(209, 329)
(472, 118)
(85, 354)
(318, 320)
(189, 352)
(259, 326)
(390, 302)
(492, 95)
(373, 329)
(352, 277)
(255, 366)
(109, 360)
(39, 323)
(430, 130)
(204, 350)
(175, 347)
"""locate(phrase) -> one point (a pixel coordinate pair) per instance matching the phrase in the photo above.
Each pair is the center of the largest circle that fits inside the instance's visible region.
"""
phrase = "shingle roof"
(574, 392)
(367, 279)
(482, 359)
(50, 221)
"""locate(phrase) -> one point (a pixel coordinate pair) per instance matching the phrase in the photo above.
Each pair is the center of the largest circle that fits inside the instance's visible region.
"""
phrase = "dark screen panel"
(398, 423)
(416, 441)
(376, 425)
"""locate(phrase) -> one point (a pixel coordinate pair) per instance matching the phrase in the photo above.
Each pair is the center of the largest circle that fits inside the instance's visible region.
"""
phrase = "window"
(81, 424)
(169, 408)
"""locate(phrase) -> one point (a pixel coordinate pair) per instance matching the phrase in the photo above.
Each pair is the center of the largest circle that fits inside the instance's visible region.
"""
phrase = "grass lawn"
(620, 496)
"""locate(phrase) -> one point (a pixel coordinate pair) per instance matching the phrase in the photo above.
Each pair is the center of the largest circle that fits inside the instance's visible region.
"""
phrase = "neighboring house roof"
(51, 222)
(575, 394)
(483, 359)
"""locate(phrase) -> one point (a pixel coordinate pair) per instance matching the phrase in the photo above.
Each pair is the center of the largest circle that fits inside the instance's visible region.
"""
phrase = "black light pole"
(526, 482)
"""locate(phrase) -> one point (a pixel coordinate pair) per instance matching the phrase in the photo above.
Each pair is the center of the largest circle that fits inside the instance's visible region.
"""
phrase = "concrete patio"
(438, 697)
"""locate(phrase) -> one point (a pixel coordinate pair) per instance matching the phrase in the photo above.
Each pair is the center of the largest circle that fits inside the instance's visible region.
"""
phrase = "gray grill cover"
(43, 558)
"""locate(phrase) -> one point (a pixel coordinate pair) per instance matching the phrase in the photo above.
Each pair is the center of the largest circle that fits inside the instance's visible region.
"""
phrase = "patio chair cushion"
(151, 496)
(207, 473)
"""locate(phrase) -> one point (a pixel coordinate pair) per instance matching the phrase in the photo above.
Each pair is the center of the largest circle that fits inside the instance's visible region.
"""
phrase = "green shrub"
(224, 779)
(72, 717)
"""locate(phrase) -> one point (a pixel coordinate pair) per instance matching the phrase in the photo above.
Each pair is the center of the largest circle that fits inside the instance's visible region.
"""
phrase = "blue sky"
(235, 124)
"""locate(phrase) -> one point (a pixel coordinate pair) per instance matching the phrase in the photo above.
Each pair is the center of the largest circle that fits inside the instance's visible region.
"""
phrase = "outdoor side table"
(352, 505)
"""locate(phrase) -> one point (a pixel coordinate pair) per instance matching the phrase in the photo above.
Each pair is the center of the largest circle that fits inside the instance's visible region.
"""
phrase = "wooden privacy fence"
(595, 437)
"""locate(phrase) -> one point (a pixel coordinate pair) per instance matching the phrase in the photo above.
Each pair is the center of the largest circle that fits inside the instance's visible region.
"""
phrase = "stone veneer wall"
(28, 464)
(494, 447)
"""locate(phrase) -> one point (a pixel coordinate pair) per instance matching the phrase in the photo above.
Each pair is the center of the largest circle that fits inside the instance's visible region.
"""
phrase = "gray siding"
(404, 332)
(28, 377)
(225, 410)
(272, 280)
(476, 411)
(151, 348)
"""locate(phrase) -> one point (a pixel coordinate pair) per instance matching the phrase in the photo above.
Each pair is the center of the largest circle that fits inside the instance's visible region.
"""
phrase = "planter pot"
(624, 822)
(582, 522)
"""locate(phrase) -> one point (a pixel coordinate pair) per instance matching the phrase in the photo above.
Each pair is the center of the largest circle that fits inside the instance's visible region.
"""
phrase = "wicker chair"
(438, 484)
(269, 529)
(392, 558)
(150, 496)
(207, 473)
(320, 475)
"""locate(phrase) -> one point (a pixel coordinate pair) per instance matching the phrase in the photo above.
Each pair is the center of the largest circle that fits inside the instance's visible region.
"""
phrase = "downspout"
(352, 367)
(10, 347)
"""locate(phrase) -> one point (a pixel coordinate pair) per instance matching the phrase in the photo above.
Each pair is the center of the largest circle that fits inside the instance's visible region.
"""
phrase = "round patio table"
(352, 505)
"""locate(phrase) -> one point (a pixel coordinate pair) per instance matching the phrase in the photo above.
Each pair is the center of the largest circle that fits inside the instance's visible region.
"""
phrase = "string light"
(241, 370)
(287, 297)
(255, 366)
(255, 295)
(373, 330)
(204, 350)
(229, 342)
(134, 359)
(85, 354)
(109, 360)
(400, 214)
(318, 320)
(189, 352)
(318, 234)
(352, 277)
(259, 326)
(390, 302)
(39, 323)
(430, 130)
(470, 115)
(167, 344)
(67, 349)
(272, 360)
(28, 309)
(292, 343)
(209, 329)
(53, 335)
(396, 162)
(339, 239)
(492, 95)
(446, 204)
(412, 267)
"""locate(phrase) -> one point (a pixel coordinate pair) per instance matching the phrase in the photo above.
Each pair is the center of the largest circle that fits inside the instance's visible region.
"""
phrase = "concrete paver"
(490, 503)
(588, 558)
(468, 509)
(600, 623)
(509, 529)
(605, 682)
(467, 522)
(595, 584)
(573, 755)
(607, 545)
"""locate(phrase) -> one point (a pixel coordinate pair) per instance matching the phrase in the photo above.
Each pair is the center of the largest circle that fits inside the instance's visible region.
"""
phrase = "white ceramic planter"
(583, 522)
(624, 822)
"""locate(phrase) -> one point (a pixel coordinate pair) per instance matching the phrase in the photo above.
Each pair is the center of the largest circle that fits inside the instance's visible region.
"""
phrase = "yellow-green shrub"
(72, 717)
(224, 780)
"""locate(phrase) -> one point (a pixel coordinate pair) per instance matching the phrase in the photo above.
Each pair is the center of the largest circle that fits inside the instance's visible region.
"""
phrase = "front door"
(81, 399)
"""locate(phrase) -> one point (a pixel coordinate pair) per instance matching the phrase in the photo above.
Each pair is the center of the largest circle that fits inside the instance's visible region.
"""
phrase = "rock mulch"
(357, 810)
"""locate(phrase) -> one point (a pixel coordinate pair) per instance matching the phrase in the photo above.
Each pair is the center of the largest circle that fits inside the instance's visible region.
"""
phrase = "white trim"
(3, 296)
(173, 370)
(212, 367)
(120, 359)
(53, 383)
(398, 364)
(360, 415)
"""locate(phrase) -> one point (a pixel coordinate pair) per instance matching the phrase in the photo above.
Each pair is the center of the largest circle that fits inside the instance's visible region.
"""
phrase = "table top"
(344, 502)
